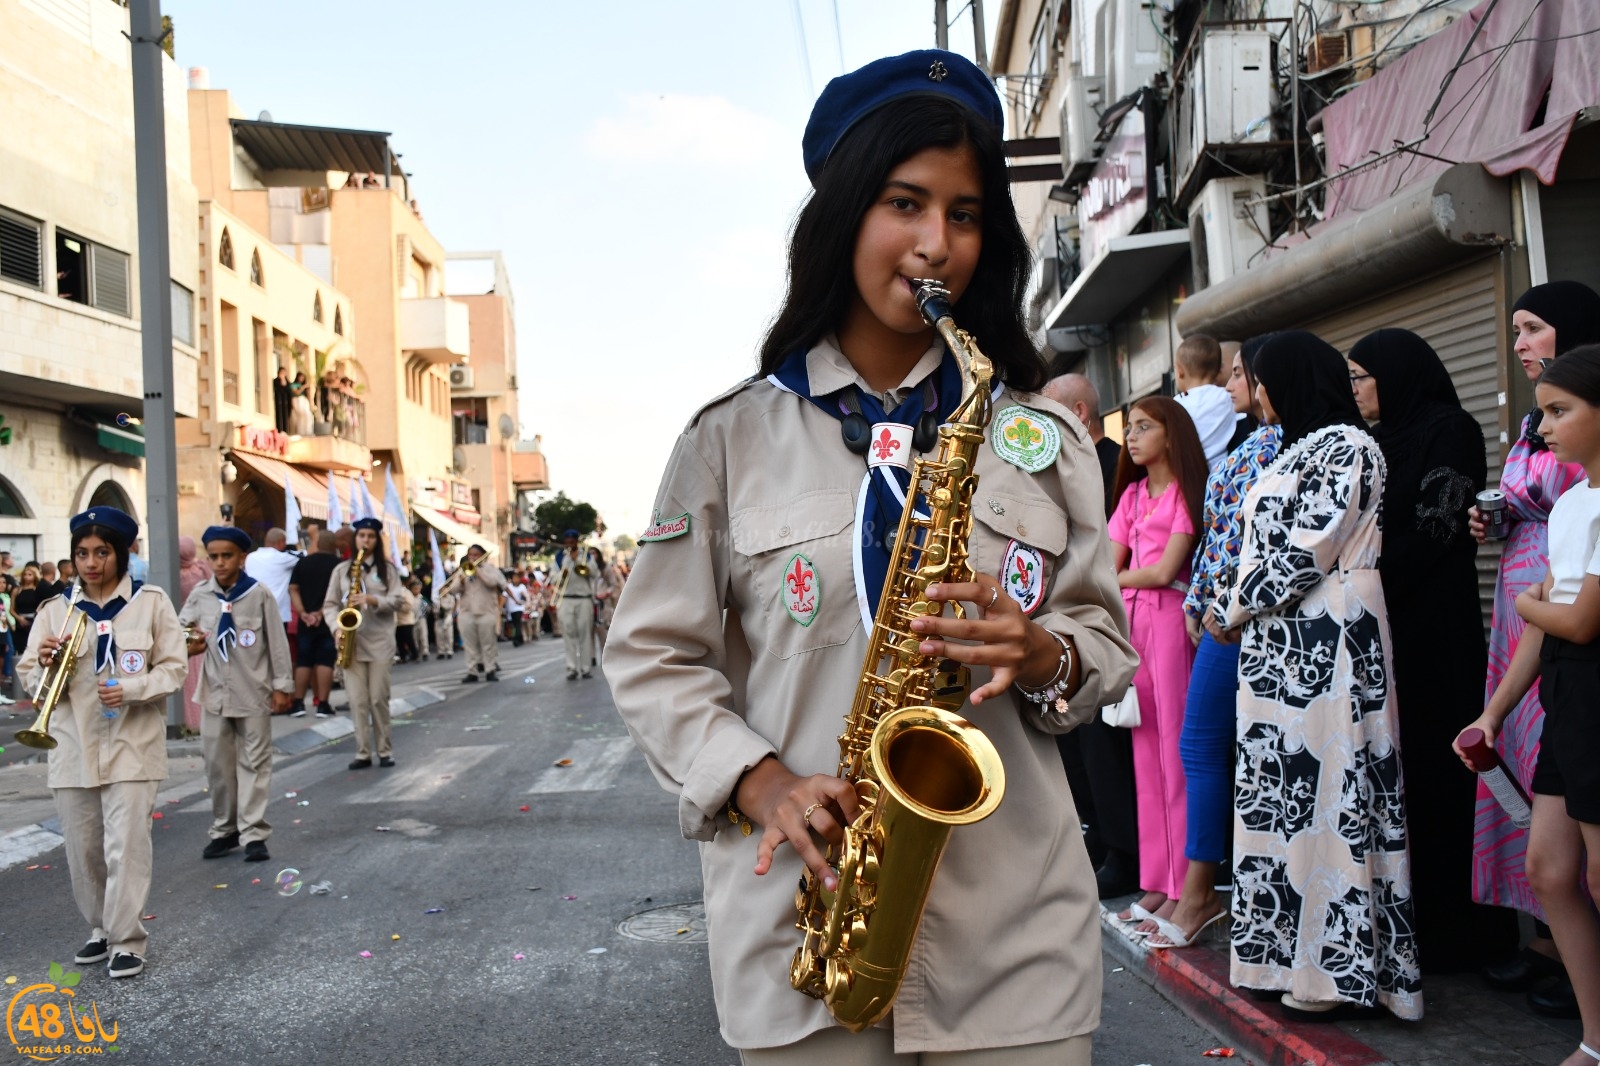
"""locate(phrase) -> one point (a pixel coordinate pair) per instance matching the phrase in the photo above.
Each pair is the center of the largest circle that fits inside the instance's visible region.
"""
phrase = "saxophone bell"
(349, 619)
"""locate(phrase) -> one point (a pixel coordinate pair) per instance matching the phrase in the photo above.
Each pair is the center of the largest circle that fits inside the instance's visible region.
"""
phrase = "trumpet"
(57, 676)
(349, 618)
(468, 568)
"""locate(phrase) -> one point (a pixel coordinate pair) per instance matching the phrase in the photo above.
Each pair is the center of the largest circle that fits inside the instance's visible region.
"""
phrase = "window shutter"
(111, 280)
(20, 241)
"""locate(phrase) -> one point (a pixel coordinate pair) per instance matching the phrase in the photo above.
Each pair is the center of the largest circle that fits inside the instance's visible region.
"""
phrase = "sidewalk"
(1465, 1023)
(28, 825)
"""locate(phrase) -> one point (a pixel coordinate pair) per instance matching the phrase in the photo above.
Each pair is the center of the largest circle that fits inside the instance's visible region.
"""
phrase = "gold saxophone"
(349, 618)
(919, 769)
(57, 676)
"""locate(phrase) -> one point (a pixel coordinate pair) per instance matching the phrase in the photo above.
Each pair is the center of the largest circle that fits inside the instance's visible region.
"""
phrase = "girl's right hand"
(47, 649)
(1195, 631)
(1476, 526)
(1490, 726)
(778, 800)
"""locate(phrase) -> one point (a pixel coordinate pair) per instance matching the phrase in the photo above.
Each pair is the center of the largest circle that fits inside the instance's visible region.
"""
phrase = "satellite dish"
(459, 457)
(507, 427)
(265, 116)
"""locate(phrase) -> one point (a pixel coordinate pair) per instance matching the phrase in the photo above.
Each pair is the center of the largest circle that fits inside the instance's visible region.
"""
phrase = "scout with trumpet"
(102, 659)
(247, 676)
(576, 583)
(481, 589)
(363, 596)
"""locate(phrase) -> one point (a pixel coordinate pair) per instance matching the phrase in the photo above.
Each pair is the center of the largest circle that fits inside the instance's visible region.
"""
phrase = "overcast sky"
(637, 162)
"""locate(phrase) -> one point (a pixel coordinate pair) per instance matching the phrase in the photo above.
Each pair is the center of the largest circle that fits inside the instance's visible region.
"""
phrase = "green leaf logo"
(57, 975)
(71, 979)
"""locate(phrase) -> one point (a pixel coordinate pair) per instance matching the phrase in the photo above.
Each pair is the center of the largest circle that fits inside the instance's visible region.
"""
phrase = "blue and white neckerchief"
(102, 614)
(226, 637)
(881, 501)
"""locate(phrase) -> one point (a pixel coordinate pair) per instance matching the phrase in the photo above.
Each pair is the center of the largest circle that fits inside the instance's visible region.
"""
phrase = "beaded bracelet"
(1053, 691)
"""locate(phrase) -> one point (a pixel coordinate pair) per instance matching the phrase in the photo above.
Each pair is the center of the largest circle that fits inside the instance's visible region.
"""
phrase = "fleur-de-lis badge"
(885, 445)
(938, 72)
(1022, 576)
(799, 578)
(1023, 435)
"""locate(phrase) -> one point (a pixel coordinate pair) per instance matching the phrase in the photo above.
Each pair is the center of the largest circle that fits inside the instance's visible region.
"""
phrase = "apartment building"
(71, 370)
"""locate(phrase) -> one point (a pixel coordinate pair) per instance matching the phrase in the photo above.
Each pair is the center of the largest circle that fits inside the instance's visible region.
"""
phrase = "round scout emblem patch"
(247, 638)
(801, 589)
(1022, 574)
(131, 662)
(1025, 438)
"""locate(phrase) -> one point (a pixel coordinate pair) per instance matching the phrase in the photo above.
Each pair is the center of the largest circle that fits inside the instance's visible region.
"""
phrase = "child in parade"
(247, 677)
(366, 679)
(110, 729)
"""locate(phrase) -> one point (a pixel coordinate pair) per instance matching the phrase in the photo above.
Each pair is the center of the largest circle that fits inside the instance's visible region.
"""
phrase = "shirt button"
(784, 532)
(1022, 530)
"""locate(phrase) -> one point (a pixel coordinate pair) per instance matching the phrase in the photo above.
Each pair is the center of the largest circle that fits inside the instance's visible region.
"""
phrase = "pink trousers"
(1155, 619)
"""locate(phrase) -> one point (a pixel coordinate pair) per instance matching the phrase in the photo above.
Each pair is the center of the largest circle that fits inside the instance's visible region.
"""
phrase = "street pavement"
(567, 933)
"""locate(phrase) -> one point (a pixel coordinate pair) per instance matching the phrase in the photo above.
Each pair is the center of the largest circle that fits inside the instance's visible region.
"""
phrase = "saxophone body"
(349, 618)
(918, 767)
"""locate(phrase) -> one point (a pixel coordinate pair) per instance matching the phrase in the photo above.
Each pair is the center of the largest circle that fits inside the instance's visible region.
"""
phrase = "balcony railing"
(343, 416)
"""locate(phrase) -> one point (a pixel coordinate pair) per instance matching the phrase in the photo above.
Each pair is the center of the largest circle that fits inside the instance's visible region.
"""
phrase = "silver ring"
(809, 812)
(994, 598)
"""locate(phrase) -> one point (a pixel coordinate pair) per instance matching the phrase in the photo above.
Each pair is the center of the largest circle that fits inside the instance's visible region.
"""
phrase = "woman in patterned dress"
(1206, 745)
(1322, 908)
(1548, 320)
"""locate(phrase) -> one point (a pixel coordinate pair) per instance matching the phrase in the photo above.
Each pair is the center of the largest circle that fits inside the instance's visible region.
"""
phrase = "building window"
(182, 314)
(89, 273)
(256, 277)
(469, 421)
(316, 308)
(10, 501)
(225, 249)
(338, 320)
(21, 245)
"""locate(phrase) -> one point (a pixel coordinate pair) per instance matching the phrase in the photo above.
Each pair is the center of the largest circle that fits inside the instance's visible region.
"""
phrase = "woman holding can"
(1547, 321)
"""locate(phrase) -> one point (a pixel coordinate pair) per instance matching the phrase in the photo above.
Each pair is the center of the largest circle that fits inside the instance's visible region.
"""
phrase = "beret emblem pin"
(938, 72)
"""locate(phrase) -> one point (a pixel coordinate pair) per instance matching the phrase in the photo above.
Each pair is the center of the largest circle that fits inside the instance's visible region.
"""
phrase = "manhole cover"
(681, 923)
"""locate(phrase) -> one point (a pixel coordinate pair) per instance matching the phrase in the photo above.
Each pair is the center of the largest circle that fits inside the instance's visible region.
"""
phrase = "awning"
(116, 439)
(309, 492)
(1117, 277)
(283, 146)
(451, 528)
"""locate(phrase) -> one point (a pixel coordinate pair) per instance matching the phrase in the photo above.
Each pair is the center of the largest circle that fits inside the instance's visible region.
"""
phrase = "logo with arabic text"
(47, 1021)
(1026, 438)
(801, 589)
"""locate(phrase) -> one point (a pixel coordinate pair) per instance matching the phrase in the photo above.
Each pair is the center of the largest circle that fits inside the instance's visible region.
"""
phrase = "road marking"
(596, 761)
(421, 780)
(20, 845)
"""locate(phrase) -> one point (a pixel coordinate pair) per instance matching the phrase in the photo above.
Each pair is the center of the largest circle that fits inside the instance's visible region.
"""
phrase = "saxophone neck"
(977, 372)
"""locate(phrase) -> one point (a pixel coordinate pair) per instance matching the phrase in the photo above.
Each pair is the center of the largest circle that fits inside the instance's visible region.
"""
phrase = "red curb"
(1196, 980)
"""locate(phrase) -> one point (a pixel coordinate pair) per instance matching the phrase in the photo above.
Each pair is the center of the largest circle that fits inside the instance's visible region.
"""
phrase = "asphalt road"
(557, 934)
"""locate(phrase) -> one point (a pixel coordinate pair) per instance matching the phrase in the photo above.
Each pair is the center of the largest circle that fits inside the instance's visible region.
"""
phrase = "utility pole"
(980, 42)
(155, 308)
(941, 24)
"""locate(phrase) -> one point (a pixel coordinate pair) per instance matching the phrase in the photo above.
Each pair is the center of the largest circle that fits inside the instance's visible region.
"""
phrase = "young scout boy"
(247, 676)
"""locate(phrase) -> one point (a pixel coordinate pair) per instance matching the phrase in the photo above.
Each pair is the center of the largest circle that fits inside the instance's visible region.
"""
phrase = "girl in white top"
(1564, 612)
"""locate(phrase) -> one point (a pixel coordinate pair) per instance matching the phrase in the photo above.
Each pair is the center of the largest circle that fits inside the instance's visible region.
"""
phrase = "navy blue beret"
(573, 533)
(848, 98)
(118, 522)
(373, 524)
(232, 534)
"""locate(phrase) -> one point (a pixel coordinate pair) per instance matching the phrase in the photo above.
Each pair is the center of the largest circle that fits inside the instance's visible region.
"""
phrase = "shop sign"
(264, 441)
(1115, 197)
(461, 493)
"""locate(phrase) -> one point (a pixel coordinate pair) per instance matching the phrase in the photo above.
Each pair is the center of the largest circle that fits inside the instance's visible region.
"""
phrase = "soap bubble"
(288, 881)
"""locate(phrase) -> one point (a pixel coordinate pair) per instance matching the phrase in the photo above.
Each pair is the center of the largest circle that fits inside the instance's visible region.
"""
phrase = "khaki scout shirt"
(375, 638)
(570, 582)
(93, 750)
(480, 593)
(258, 665)
(711, 674)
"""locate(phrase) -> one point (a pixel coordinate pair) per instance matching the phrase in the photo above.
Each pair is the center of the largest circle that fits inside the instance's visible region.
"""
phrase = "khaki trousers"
(107, 831)
(875, 1047)
(444, 631)
(478, 635)
(576, 614)
(420, 634)
(368, 687)
(239, 769)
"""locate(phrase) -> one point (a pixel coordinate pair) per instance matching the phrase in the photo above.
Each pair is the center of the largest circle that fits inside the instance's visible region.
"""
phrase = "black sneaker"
(256, 851)
(470, 679)
(93, 951)
(220, 846)
(492, 675)
(297, 711)
(360, 764)
(385, 761)
(324, 709)
(586, 675)
(572, 675)
(127, 964)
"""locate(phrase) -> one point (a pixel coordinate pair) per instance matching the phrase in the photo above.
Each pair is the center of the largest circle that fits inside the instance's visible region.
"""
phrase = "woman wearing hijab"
(192, 570)
(1434, 452)
(1322, 906)
(1548, 321)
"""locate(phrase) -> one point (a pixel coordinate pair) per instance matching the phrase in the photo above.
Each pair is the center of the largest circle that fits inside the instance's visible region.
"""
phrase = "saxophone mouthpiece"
(933, 300)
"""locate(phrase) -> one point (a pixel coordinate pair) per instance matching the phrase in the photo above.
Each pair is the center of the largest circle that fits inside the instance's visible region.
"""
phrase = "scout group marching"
(127, 650)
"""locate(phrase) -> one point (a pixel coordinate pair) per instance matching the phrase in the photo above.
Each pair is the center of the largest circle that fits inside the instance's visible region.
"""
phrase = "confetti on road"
(394, 936)
(381, 829)
(305, 803)
(477, 728)
(9, 980)
(682, 931)
(1218, 1053)
(597, 951)
(517, 957)
(434, 910)
(255, 880)
(148, 918)
(524, 807)
(526, 681)
(219, 886)
(31, 867)
(158, 815)
(290, 795)
(563, 762)
(366, 954)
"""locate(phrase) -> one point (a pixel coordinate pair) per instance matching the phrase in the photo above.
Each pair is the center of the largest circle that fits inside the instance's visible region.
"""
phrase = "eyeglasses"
(1139, 429)
(1356, 379)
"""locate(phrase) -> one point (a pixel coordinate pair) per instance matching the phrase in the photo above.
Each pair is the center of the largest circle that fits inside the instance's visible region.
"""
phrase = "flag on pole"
(438, 563)
(291, 510)
(368, 508)
(394, 509)
(335, 512)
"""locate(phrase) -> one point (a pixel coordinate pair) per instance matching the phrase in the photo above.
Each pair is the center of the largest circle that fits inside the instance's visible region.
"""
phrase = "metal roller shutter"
(1458, 313)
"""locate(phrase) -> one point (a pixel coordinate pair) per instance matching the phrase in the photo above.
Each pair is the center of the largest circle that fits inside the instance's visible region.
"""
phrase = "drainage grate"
(665, 925)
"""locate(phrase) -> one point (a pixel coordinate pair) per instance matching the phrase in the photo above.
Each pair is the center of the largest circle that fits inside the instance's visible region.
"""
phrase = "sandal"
(1174, 935)
(1299, 1010)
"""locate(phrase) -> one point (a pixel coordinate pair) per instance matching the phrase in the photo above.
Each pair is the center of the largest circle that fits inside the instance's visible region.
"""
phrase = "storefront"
(263, 478)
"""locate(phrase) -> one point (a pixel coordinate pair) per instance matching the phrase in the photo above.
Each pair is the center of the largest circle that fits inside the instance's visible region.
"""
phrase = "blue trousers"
(1206, 748)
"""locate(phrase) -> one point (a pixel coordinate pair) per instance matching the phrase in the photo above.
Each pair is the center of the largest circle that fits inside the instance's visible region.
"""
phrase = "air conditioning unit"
(461, 378)
(1134, 48)
(1081, 104)
(1230, 97)
(1226, 231)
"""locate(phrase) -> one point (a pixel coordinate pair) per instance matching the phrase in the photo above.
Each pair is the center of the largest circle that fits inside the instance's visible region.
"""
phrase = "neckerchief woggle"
(226, 636)
(881, 501)
(105, 647)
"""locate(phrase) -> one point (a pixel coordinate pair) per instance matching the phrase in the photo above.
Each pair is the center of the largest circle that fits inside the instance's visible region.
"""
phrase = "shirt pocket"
(1033, 521)
(793, 550)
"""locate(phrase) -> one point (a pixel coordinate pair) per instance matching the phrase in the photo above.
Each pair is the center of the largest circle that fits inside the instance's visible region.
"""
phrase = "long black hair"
(380, 564)
(822, 247)
(119, 547)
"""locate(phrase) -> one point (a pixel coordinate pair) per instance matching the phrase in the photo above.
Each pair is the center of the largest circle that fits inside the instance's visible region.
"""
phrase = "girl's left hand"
(110, 695)
(1531, 594)
(1003, 638)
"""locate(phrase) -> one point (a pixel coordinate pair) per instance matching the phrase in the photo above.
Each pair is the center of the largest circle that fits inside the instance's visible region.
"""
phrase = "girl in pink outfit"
(1161, 478)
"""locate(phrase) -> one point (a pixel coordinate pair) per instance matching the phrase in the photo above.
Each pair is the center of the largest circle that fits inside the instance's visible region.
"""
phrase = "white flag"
(291, 511)
(438, 564)
(335, 512)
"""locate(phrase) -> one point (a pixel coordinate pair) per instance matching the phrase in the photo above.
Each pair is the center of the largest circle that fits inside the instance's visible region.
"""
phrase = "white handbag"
(1124, 714)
